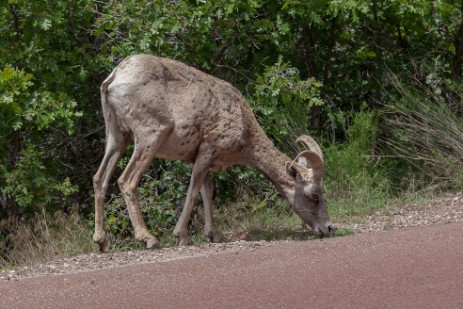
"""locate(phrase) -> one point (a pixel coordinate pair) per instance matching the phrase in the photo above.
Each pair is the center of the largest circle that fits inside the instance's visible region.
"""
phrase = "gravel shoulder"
(443, 210)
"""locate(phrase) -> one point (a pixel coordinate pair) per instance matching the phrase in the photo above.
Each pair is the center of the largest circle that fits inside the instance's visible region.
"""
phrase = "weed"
(388, 225)
(343, 231)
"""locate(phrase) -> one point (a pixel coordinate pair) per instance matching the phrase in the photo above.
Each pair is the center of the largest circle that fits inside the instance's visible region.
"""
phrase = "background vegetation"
(378, 82)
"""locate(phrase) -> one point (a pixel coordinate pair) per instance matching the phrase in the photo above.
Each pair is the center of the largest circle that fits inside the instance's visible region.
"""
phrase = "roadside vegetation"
(377, 83)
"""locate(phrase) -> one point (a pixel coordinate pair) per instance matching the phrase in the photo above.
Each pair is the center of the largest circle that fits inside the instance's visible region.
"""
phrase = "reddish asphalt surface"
(413, 268)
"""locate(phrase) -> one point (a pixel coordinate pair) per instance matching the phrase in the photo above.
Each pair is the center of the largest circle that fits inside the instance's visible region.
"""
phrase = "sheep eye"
(315, 197)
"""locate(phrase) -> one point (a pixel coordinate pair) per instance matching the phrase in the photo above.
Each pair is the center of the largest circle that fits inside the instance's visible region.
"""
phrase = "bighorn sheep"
(173, 111)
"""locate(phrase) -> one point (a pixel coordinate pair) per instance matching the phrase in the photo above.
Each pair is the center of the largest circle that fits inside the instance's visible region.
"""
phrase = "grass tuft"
(44, 238)
(423, 130)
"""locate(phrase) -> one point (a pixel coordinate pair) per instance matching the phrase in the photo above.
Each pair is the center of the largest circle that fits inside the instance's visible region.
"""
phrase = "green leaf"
(17, 125)
(8, 73)
(46, 24)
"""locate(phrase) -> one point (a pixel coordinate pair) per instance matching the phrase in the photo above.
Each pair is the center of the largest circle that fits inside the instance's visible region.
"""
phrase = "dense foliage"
(305, 66)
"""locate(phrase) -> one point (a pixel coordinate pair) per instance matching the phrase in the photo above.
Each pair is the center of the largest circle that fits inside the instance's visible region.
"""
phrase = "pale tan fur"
(173, 111)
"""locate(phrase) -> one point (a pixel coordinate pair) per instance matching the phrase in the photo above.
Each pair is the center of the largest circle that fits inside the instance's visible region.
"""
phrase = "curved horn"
(311, 143)
(315, 160)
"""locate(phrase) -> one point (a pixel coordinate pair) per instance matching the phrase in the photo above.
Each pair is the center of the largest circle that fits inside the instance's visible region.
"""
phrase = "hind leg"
(144, 153)
(116, 143)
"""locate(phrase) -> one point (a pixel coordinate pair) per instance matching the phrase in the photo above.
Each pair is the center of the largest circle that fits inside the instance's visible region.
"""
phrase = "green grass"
(253, 221)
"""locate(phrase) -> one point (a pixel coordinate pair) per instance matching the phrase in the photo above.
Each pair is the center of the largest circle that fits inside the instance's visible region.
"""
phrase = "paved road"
(415, 268)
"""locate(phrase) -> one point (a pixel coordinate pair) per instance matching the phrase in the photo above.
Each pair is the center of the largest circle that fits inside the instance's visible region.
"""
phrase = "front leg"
(210, 230)
(181, 228)
(198, 175)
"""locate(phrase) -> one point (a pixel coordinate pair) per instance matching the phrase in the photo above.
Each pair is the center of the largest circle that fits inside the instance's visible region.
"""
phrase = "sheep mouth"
(330, 231)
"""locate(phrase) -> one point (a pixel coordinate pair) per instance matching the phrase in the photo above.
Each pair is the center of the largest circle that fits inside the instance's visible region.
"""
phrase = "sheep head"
(308, 201)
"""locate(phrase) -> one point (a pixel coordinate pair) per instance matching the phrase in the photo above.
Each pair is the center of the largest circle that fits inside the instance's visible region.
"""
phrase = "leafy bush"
(27, 172)
(282, 96)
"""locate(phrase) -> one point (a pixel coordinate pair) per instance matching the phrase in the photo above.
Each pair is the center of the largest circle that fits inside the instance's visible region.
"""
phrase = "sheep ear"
(290, 170)
(295, 170)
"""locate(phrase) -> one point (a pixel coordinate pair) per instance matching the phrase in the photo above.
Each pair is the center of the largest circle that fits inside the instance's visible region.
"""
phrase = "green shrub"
(29, 119)
(355, 179)
(282, 96)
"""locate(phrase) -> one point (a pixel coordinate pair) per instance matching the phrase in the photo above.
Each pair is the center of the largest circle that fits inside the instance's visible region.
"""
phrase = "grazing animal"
(173, 111)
